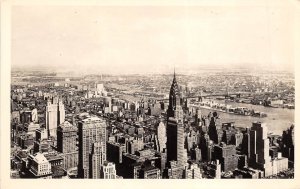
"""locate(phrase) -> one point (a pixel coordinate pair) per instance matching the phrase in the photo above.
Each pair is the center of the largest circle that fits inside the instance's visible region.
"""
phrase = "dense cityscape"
(213, 125)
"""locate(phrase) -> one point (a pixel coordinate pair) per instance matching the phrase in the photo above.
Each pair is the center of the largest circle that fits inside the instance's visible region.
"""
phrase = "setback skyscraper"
(259, 148)
(55, 115)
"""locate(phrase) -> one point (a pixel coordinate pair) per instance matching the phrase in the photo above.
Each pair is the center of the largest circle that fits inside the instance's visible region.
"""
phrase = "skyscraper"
(66, 144)
(192, 172)
(198, 116)
(174, 99)
(259, 148)
(55, 115)
(108, 171)
(175, 129)
(91, 130)
(246, 143)
(161, 136)
(175, 142)
(51, 118)
(97, 158)
(60, 112)
(227, 156)
(212, 129)
(34, 116)
(288, 143)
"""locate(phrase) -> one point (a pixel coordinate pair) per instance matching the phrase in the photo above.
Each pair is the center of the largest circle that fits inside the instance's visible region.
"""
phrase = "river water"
(278, 119)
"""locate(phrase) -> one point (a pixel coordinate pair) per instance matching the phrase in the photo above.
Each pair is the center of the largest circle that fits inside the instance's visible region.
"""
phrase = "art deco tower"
(175, 129)
(174, 100)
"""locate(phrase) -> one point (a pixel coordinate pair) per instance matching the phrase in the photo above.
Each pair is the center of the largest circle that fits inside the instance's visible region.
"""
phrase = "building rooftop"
(22, 154)
(108, 164)
(58, 171)
(52, 156)
(40, 158)
(67, 126)
(134, 157)
(149, 168)
(89, 119)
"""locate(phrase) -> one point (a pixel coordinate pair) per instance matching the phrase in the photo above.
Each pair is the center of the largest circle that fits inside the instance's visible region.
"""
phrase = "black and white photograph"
(148, 90)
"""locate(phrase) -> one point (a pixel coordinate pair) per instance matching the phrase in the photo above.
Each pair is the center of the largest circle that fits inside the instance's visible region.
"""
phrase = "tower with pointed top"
(175, 128)
(174, 109)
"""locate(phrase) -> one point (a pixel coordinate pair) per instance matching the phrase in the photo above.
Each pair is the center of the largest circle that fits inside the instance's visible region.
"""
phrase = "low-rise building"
(39, 166)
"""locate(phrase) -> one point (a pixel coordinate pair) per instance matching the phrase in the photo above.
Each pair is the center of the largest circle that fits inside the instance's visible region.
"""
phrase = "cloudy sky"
(150, 38)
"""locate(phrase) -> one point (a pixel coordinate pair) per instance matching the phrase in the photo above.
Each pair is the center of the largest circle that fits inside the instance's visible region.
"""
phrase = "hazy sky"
(145, 38)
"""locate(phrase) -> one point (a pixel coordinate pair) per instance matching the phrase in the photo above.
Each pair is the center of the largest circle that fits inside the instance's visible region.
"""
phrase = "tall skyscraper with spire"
(174, 101)
(175, 128)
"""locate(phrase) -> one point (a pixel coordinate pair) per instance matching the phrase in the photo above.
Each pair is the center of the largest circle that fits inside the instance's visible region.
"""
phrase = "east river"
(278, 119)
